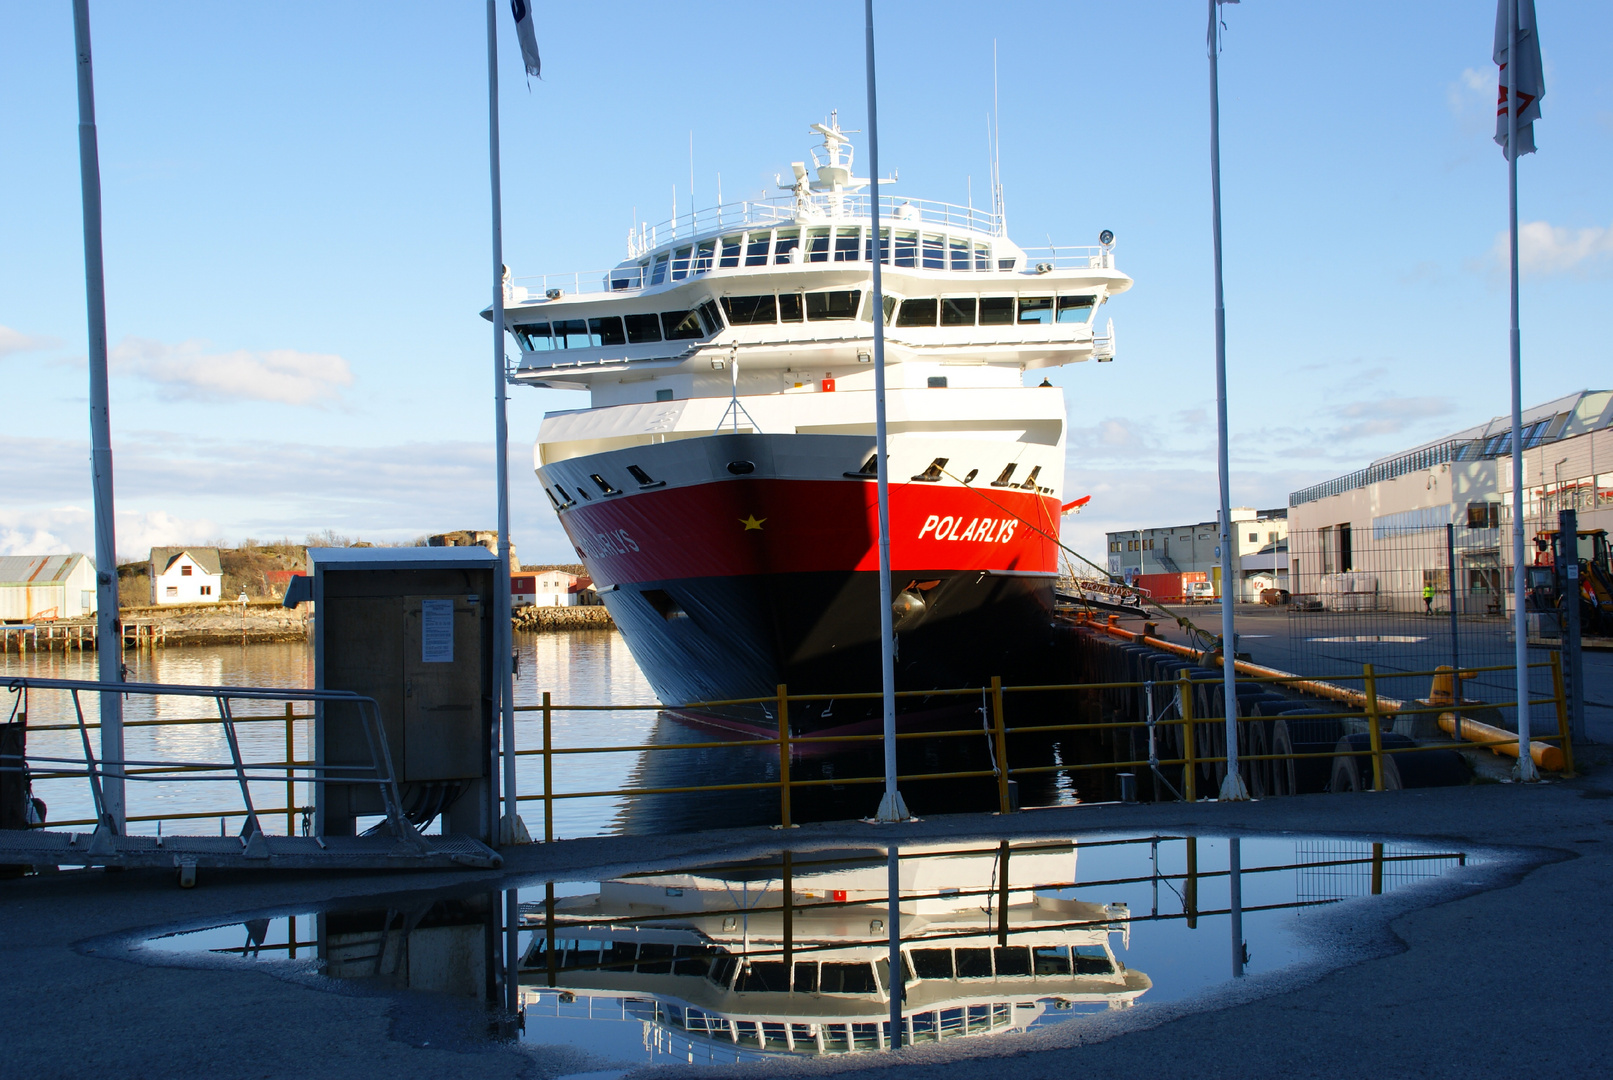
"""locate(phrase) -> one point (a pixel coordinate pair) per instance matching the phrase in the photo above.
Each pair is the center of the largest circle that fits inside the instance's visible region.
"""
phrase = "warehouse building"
(37, 587)
(1147, 557)
(1374, 539)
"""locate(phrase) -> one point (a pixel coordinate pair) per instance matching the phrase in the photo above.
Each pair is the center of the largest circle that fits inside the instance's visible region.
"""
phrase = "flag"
(522, 10)
(1528, 82)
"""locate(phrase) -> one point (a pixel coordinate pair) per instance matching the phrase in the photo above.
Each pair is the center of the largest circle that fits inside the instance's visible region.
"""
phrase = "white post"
(504, 695)
(1520, 620)
(891, 806)
(1235, 902)
(108, 637)
(1232, 787)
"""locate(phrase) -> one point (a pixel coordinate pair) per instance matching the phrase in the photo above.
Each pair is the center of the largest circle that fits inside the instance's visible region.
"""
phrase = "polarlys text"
(988, 530)
(605, 544)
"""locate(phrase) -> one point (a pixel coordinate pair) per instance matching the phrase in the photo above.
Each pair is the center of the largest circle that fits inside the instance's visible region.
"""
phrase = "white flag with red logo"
(1528, 84)
(522, 10)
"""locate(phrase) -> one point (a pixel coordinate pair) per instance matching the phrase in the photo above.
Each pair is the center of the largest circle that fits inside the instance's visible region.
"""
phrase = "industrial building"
(36, 587)
(1260, 540)
(1375, 538)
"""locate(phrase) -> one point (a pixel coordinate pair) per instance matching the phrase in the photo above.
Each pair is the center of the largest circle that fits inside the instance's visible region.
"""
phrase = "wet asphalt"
(1500, 972)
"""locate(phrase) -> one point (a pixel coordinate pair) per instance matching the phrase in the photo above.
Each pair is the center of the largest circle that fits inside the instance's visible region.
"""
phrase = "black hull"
(722, 638)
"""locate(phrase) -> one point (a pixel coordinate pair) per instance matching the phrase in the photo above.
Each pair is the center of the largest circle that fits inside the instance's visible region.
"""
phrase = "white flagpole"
(1232, 787)
(108, 638)
(1520, 628)
(502, 634)
(891, 807)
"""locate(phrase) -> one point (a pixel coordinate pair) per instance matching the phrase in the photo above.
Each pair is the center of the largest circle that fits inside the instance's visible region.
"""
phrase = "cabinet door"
(442, 688)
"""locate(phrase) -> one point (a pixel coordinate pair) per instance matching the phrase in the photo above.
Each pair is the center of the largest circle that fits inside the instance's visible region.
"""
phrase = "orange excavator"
(1595, 576)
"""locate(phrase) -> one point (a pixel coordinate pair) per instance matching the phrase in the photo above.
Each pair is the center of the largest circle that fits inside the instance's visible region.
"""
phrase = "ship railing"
(1070, 257)
(894, 210)
(1183, 750)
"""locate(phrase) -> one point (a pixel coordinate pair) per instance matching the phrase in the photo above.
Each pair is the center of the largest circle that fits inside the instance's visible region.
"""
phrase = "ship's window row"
(829, 976)
(818, 244)
(792, 307)
(992, 310)
(689, 325)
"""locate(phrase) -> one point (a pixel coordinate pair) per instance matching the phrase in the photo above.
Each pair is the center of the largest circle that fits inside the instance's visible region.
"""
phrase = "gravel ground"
(1499, 971)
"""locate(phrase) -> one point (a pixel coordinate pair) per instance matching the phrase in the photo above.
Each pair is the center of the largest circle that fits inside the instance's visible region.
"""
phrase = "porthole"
(742, 468)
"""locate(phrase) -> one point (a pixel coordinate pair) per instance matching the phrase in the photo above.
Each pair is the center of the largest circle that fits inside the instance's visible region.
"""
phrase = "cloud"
(1545, 249)
(188, 369)
(13, 342)
(42, 532)
(1471, 98)
(182, 488)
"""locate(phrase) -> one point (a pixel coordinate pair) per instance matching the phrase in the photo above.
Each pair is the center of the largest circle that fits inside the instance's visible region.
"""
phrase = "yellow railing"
(997, 732)
(1374, 711)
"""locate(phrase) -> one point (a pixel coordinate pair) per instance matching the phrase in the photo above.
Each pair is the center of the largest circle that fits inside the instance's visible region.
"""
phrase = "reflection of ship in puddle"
(791, 955)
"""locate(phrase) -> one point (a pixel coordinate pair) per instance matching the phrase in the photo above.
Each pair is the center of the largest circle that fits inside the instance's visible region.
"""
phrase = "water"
(690, 966)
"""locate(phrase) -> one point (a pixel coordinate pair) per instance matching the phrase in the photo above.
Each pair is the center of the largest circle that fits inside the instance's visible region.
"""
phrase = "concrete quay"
(1498, 971)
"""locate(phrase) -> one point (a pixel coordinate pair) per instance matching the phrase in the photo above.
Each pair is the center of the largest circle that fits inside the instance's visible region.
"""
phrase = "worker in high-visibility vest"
(1428, 598)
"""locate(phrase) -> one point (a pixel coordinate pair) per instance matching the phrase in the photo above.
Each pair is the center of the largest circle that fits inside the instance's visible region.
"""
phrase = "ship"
(720, 487)
(764, 959)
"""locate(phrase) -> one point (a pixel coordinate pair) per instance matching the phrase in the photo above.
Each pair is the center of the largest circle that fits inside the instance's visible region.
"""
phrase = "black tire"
(1352, 768)
(1257, 775)
(1298, 732)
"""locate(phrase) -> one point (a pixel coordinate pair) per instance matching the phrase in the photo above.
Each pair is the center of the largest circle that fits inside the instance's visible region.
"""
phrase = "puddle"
(789, 954)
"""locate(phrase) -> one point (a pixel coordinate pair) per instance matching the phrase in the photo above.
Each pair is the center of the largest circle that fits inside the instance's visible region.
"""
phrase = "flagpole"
(108, 638)
(891, 807)
(502, 643)
(1520, 629)
(1232, 787)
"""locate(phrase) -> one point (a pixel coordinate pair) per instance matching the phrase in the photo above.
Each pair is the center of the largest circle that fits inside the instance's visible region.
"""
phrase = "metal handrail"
(380, 770)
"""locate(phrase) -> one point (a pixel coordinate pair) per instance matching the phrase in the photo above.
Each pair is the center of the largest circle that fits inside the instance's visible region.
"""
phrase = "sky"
(296, 208)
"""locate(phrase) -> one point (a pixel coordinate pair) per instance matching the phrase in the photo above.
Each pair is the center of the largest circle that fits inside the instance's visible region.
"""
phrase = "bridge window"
(606, 331)
(959, 254)
(1075, 309)
(788, 240)
(916, 313)
(534, 337)
(884, 246)
(730, 251)
(790, 308)
(658, 274)
(982, 256)
(996, 311)
(958, 311)
(756, 248)
(826, 306)
(1037, 310)
(643, 328)
(571, 334)
(680, 264)
(682, 325)
(846, 245)
(750, 310)
(817, 245)
(1052, 959)
(1006, 264)
(907, 249)
(934, 256)
(708, 311)
(703, 256)
(846, 979)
